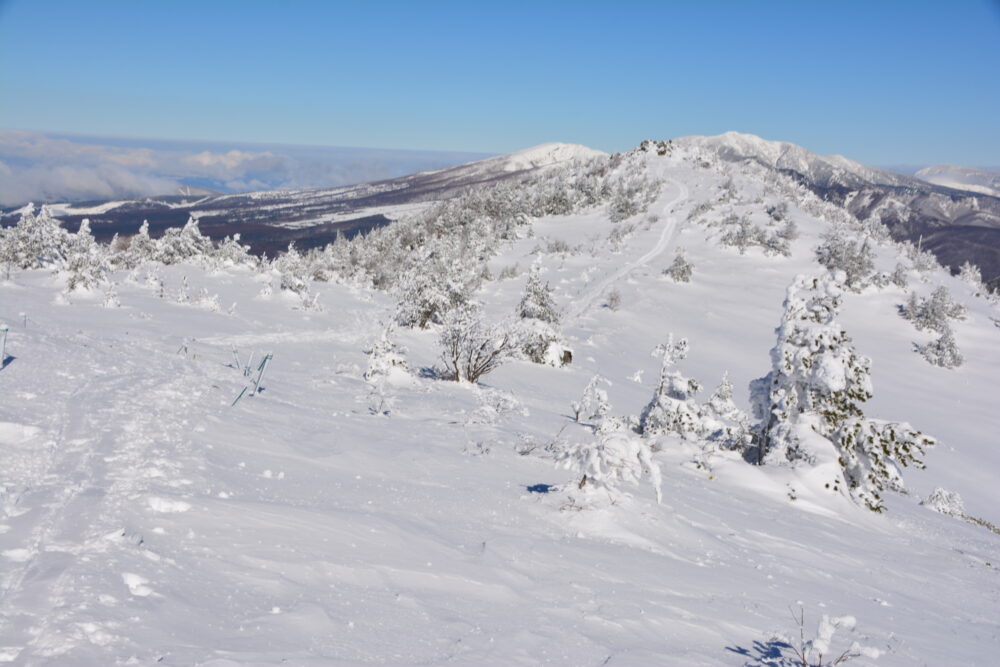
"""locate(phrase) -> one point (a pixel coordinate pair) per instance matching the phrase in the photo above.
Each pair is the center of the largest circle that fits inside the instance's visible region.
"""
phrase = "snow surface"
(146, 520)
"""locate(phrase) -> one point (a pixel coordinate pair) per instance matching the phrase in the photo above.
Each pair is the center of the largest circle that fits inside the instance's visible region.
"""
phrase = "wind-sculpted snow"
(155, 510)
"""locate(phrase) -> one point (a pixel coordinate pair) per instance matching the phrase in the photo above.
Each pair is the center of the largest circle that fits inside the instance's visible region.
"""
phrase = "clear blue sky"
(885, 82)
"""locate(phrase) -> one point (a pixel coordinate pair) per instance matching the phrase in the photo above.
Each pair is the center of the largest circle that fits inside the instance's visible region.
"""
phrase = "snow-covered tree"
(943, 351)
(537, 302)
(470, 348)
(609, 461)
(293, 276)
(680, 269)
(593, 405)
(232, 253)
(817, 386)
(385, 359)
(841, 251)
(141, 248)
(932, 313)
(724, 423)
(970, 274)
(86, 261)
(672, 408)
(185, 243)
(537, 329)
(35, 242)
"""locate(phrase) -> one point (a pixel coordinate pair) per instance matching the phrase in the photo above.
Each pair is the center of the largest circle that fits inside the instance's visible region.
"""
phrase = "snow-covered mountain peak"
(971, 179)
(544, 155)
(822, 169)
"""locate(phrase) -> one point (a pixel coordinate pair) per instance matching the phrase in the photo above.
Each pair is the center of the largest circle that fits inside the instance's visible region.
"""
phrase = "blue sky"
(883, 82)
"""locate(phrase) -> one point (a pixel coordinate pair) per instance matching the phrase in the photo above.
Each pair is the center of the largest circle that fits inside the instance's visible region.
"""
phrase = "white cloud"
(41, 167)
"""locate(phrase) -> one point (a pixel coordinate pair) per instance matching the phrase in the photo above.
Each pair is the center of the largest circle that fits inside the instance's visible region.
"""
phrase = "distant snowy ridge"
(825, 170)
(545, 155)
(971, 179)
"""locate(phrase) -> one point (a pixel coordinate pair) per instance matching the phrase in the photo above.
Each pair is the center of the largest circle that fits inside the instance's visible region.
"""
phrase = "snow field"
(144, 519)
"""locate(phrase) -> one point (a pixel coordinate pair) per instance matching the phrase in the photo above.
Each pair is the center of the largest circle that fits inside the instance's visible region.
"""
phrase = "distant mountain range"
(953, 212)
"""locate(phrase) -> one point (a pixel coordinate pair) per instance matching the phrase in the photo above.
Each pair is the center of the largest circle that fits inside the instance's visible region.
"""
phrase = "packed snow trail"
(588, 298)
(116, 448)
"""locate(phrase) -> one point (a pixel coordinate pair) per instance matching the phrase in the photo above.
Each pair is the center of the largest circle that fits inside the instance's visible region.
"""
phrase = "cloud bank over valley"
(47, 167)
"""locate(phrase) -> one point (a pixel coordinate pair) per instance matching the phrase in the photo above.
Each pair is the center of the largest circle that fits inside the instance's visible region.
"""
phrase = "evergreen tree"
(537, 302)
(817, 386)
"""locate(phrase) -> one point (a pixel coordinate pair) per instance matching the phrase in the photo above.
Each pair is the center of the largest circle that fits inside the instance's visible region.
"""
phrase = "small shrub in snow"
(609, 461)
(613, 300)
(942, 351)
(111, 297)
(385, 359)
(508, 272)
(593, 405)
(816, 652)
(742, 234)
(945, 502)
(680, 269)
(470, 347)
(619, 234)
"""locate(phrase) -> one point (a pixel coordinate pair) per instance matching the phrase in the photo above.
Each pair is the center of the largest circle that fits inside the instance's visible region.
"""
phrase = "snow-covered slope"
(148, 520)
(962, 178)
(825, 170)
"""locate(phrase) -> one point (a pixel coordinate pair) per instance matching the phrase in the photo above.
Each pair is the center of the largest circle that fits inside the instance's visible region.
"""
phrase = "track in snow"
(586, 300)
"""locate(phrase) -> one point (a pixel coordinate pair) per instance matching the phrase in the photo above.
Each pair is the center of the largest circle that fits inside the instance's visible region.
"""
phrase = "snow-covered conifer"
(85, 260)
(672, 408)
(680, 269)
(593, 405)
(943, 350)
(817, 385)
(970, 274)
(385, 359)
(141, 248)
(722, 421)
(840, 251)
(934, 312)
(537, 302)
(185, 243)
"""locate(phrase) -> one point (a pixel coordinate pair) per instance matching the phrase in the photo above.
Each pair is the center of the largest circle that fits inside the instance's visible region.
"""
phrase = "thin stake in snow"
(260, 374)
(236, 356)
(3, 344)
(237, 399)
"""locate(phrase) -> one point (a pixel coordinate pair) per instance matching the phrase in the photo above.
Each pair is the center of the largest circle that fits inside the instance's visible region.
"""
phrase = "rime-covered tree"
(934, 312)
(86, 261)
(593, 405)
(840, 251)
(672, 409)
(816, 387)
(680, 269)
(609, 461)
(182, 244)
(537, 302)
(724, 423)
(470, 348)
(942, 351)
(35, 242)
